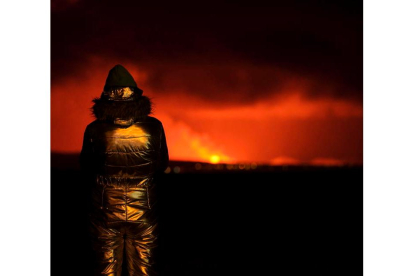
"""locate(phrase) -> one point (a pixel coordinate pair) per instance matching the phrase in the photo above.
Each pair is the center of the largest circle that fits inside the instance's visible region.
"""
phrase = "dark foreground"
(299, 221)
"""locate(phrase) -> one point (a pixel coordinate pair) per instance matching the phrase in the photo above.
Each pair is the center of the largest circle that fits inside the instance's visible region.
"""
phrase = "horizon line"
(256, 163)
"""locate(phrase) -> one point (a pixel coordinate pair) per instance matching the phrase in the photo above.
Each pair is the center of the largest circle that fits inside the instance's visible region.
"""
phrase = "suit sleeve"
(163, 157)
(85, 159)
(87, 172)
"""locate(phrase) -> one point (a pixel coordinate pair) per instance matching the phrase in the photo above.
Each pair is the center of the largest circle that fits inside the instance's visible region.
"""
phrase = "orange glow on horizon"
(284, 160)
(327, 162)
(286, 128)
(214, 159)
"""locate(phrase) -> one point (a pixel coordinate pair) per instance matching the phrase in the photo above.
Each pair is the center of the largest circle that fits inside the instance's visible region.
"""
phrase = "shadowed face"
(118, 93)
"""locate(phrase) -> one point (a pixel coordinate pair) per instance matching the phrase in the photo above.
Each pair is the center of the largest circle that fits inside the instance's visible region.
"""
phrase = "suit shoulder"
(93, 124)
(153, 120)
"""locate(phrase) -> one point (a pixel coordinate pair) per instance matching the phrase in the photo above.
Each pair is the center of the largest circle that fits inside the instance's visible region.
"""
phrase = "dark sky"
(224, 58)
(321, 40)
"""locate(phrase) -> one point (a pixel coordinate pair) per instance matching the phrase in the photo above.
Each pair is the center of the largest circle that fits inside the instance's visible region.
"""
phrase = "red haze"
(285, 127)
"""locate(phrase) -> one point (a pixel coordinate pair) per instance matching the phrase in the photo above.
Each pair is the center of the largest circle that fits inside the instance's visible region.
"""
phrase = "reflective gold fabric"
(124, 158)
(136, 240)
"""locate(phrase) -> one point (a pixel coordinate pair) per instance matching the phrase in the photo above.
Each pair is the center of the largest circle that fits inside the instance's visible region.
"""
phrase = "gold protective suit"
(122, 159)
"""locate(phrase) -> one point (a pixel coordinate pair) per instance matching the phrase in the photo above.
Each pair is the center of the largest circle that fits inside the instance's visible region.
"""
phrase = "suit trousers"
(118, 242)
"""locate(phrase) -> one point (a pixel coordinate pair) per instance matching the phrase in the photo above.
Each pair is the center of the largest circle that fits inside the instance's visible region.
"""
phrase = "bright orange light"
(214, 159)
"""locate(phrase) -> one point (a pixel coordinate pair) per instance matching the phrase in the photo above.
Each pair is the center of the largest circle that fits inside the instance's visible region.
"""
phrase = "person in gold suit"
(124, 151)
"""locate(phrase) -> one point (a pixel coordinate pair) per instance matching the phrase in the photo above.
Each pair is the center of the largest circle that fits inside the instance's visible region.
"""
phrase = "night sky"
(233, 82)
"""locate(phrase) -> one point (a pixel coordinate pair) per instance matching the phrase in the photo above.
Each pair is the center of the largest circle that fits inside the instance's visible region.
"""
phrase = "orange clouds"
(282, 127)
(289, 105)
(187, 145)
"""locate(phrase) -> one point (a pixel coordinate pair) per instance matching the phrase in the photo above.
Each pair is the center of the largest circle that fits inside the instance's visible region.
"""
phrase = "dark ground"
(286, 221)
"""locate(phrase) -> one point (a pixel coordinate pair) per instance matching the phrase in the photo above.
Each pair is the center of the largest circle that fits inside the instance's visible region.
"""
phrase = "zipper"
(148, 197)
(126, 199)
(102, 199)
(100, 180)
(150, 180)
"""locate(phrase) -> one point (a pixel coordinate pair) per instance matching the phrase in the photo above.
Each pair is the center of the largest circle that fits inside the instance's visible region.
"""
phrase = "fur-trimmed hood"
(122, 110)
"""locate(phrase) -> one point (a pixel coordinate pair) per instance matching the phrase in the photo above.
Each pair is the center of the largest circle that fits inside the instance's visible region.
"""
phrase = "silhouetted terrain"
(280, 221)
